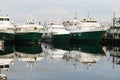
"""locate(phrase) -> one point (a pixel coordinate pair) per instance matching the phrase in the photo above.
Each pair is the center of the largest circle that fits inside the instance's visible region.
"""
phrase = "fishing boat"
(113, 31)
(112, 35)
(28, 33)
(6, 29)
(56, 33)
(86, 30)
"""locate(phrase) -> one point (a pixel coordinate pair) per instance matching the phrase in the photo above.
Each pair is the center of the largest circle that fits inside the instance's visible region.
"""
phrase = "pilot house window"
(4, 19)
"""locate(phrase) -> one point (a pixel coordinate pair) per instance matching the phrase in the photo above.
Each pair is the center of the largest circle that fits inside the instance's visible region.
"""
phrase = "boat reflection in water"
(84, 54)
(113, 54)
(6, 60)
(53, 51)
(51, 62)
(28, 53)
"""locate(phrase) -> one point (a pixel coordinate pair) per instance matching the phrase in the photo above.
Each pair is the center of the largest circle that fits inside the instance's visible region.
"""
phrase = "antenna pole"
(88, 15)
(75, 15)
(114, 19)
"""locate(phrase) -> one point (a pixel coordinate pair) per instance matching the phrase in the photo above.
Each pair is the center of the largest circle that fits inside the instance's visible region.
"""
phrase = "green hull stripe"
(7, 36)
(61, 38)
(28, 36)
(96, 35)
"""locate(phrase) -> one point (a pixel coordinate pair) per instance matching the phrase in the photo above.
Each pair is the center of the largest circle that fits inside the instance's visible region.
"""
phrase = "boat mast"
(75, 19)
(75, 15)
(114, 19)
(88, 15)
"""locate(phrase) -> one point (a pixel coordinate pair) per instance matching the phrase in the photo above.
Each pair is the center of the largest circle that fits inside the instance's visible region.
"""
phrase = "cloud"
(52, 13)
(45, 14)
(54, 9)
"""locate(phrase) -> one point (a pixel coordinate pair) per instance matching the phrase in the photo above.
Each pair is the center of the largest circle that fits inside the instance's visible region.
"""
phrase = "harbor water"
(60, 62)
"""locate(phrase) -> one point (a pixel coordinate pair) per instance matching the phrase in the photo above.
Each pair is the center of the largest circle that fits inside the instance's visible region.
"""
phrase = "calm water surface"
(60, 62)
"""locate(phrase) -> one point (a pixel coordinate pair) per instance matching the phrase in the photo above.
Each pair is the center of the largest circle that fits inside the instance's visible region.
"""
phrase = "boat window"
(6, 19)
(30, 22)
(1, 19)
(1, 66)
(79, 34)
(6, 66)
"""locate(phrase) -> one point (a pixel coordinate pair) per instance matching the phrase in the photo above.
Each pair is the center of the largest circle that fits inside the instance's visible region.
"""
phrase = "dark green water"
(60, 62)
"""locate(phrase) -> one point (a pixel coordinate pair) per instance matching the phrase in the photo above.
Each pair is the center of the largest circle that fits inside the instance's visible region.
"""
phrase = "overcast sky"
(43, 10)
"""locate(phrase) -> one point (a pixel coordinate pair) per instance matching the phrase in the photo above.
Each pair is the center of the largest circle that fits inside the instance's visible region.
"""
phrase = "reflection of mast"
(74, 64)
(88, 15)
(114, 53)
(113, 61)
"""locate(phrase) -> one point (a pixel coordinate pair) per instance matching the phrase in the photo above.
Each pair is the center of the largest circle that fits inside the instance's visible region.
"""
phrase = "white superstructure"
(30, 26)
(56, 29)
(6, 26)
(85, 25)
